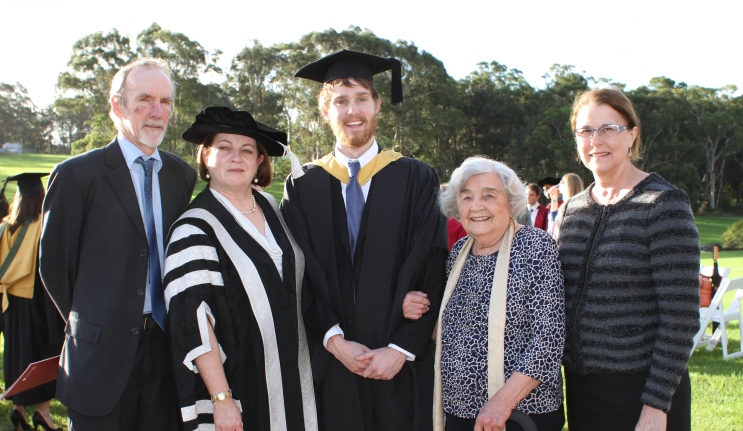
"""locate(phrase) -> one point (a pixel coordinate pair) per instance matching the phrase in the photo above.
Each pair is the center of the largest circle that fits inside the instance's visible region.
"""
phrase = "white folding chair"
(706, 315)
(724, 316)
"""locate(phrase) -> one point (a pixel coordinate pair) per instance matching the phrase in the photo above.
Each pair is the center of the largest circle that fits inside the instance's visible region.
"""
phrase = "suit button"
(140, 291)
(135, 331)
(350, 321)
(143, 252)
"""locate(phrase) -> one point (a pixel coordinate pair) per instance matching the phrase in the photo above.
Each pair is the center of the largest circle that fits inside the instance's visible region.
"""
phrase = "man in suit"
(538, 213)
(100, 259)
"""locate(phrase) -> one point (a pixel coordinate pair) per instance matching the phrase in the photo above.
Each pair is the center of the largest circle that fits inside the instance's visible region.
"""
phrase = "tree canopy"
(690, 133)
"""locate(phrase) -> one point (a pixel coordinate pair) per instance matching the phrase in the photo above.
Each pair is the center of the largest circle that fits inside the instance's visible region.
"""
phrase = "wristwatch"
(222, 396)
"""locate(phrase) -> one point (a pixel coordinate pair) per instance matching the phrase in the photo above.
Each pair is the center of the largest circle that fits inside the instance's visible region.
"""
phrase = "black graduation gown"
(33, 330)
(402, 247)
(237, 329)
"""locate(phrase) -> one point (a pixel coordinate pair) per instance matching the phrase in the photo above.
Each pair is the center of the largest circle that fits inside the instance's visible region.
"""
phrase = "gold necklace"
(255, 207)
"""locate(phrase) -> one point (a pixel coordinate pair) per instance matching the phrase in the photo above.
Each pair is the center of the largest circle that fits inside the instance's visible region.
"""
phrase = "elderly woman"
(232, 286)
(500, 330)
(630, 254)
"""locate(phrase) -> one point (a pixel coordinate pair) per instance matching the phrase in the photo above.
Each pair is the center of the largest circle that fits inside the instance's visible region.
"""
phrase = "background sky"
(628, 42)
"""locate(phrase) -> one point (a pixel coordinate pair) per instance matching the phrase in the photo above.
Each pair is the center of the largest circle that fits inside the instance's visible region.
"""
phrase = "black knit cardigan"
(631, 285)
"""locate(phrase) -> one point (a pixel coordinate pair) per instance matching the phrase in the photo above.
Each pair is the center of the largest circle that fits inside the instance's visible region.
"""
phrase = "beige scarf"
(496, 322)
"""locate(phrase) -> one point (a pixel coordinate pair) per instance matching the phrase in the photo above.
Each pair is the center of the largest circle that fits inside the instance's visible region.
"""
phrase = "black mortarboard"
(28, 180)
(549, 180)
(353, 64)
(220, 119)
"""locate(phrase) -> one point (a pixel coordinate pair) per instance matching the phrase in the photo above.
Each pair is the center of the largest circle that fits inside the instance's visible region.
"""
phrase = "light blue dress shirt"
(131, 153)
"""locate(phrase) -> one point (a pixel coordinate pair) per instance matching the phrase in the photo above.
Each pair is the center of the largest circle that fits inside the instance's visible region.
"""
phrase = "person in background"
(546, 184)
(4, 206)
(32, 328)
(569, 186)
(539, 214)
(106, 214)
(453, 226)
(367, 222)
(629, 251)
(549, 189)
(233, 279)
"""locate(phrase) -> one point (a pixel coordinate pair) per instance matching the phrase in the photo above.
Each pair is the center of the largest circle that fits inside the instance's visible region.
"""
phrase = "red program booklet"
(36, 374)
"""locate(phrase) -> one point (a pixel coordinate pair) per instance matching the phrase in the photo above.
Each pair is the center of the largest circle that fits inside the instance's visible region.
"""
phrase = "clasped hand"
(378, 364)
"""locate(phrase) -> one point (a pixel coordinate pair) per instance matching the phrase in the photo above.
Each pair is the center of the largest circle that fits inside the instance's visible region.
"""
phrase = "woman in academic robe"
(232, 279)
(32, 327)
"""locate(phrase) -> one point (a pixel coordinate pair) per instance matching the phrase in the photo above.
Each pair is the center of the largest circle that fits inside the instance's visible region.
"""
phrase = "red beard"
(358, 138)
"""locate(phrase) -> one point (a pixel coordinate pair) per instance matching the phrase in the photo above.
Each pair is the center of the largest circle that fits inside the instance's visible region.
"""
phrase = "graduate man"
(369, 224)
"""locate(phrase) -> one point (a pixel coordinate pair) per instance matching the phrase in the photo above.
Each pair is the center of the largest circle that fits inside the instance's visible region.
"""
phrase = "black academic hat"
(27, 180)
(353, 64)
(549, 180)
(221, 119)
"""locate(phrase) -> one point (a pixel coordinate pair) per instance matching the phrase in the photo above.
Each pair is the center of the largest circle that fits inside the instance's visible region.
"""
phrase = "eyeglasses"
(607, 131)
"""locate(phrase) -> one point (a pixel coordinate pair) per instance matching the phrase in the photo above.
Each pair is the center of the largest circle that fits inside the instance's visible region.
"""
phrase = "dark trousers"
(148, 402)
(552, 421)
(611, 402)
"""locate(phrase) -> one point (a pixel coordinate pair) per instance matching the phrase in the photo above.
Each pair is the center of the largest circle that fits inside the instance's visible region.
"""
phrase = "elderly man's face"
(148, 97)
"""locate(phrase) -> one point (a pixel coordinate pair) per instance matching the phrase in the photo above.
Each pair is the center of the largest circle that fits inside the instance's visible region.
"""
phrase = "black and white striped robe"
(215, 271)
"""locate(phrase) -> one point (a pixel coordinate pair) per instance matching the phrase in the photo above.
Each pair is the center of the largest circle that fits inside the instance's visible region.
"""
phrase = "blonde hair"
(573, 185)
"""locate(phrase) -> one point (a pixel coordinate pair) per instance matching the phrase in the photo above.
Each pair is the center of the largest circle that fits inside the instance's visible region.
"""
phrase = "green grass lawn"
(712, 228)
(13, 164)
(717, 385)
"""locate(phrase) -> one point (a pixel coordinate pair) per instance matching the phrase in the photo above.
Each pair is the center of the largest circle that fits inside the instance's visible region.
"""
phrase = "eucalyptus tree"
(668, 147)
(21, 120)
(189, 62)
(717, 118)
(82, 90)
(548, 143)
(252, 82)
(499, 102)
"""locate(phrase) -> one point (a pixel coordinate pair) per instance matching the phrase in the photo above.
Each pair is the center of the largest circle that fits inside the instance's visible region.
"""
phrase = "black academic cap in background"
(353, 64)
(220, 119)
(27, 180)
(549, 180)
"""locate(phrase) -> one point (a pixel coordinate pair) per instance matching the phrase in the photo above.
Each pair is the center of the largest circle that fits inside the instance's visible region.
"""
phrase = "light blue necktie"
(354, 205)
(157, 299)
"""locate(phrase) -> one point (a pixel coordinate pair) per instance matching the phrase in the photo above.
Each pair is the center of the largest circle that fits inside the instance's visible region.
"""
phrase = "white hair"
(513, 187)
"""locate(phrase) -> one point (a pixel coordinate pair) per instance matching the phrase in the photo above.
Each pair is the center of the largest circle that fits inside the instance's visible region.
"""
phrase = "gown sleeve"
(191, 274)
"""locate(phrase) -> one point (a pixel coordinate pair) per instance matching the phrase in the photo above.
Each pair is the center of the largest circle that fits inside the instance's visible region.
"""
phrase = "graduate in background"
(32, 327)
(367, 221)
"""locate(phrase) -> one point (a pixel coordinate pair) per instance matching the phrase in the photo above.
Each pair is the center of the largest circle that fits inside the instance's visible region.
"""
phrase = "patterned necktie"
(157, 298)
(354, 205)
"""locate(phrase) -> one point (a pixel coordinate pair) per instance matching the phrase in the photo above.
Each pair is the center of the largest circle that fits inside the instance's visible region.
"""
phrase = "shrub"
(732, 239)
